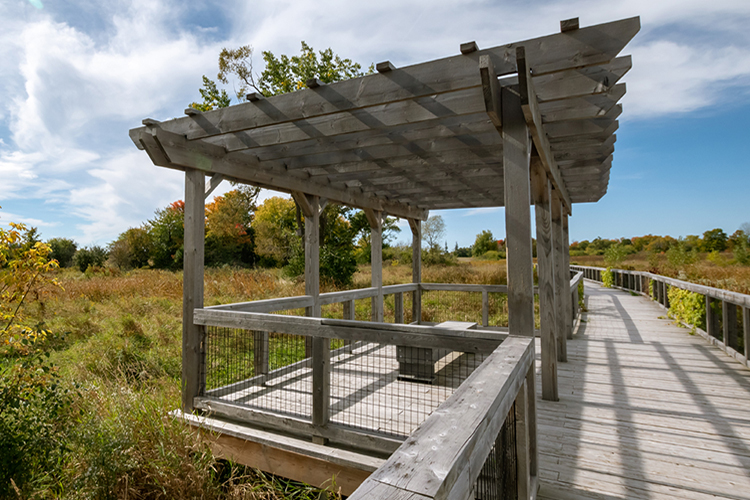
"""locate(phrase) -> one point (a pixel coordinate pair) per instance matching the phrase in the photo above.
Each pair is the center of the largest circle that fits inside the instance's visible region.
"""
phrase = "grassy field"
(93, 425)
(86, 419)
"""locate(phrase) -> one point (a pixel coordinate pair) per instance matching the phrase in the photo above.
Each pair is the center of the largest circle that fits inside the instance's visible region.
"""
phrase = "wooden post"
(321, 347)
(559, 283)
(192, 288)
(375, 219)
(712, 321)
(485, 308)
(523, 460)
(416, 269)
(729, 323)
(746, 333)
(260, 353)
(546, 273)
(566, 273)
(517, 215)
(398, 307)
(666, 295)
(349, 314)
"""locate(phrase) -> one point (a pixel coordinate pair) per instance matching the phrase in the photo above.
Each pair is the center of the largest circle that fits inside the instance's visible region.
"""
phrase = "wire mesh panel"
(498, 478)
(265, 370)
(439, 306)
(375, 387)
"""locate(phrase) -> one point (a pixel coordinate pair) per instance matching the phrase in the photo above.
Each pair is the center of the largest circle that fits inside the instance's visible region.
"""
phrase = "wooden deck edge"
(296, 459)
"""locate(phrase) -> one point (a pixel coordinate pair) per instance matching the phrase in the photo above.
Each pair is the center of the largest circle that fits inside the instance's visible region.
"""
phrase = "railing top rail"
(576, 279)
(267, 305)
(470, 340)
(464, 287)
(443, 457)
(737, 298)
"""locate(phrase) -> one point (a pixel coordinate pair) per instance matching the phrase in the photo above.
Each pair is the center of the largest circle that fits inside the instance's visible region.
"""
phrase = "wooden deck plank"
(646, 410)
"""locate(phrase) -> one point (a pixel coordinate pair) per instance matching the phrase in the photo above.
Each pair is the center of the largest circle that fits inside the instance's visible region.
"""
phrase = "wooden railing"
(447, 455)
(722, 327)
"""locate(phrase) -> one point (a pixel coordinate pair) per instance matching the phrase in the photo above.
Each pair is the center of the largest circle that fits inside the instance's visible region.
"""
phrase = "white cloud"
(480, 211)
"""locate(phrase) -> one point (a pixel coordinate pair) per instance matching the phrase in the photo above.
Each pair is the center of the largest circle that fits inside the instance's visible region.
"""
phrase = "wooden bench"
(418, 363)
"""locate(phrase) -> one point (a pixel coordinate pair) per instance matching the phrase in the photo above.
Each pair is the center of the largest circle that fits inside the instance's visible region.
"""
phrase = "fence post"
(485, 308)
(260, 353)
(712, 321)
(348, 314)
(416, 269)
(398, 307)
(746, 333)
(729, 321)
(666, 295)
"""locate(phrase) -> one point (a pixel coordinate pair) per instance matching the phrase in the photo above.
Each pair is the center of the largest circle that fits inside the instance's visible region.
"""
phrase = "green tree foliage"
(212, 97)
(739, 243)
(62, 250)
(614, 255)
(94, 256)
(167, 230)
(286, 74)
(683, 253)
(276, 236)
(132, 249)
(484, 243)
(714, 240)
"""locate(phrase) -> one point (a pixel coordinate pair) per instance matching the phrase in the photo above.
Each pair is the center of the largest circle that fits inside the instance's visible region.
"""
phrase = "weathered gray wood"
(485, 308)
(523, 460)
(385, 66)
(464, 287)
(746, 333)
(490, 90)
(584, 47)
(317, 348)
(531, 426)
(560, 278)
(398, 307)
(335, 297)
(477, 340)
(546, 277)
(177, 152)
(260, 353)
(566, 273)
(269, 305)
(376, 261)
(416, 268)
(530, 108)
(297, 426)
(516, 157)
(213, 183)
(729, 323)
(444, 456)
(569, 25)
(192, 288)
(581, 108)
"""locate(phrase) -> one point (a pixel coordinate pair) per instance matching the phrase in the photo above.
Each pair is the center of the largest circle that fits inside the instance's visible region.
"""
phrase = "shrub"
(687, 307)
(608, 278)
(94, 256)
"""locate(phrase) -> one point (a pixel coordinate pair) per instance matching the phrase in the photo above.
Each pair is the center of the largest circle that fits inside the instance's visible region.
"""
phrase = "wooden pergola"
(531, 122)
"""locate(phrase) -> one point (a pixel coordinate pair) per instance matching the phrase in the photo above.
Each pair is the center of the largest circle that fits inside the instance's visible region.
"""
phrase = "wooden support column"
(398, 307)
(729, 323)
(566, 271)
(516, 160)
(320, 347)
(546, 271)
(416, 269)
(192, 287)
(375, 218)
(559, 283)
(746, 333)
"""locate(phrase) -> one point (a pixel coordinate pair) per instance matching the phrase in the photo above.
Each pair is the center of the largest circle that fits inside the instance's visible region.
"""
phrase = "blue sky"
(76, 75)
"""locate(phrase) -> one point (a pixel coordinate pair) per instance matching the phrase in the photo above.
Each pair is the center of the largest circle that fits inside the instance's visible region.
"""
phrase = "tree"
(62, 250)
(167, 230)
(229, 232)
(484, 243)
(433, 230)
(94, 256)
(714, 240)
(133, 248)
(23, 274)
(276, 237)
(212, 96)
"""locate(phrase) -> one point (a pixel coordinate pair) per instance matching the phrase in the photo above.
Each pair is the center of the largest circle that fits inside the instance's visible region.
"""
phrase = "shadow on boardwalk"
(646, 410)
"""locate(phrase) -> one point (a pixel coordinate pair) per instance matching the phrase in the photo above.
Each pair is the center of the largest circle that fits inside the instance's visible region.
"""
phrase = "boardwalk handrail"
(721, 329)
(445, 455)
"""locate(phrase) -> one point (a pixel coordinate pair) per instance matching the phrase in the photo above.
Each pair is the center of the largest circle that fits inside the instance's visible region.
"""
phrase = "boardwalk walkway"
(646, 410)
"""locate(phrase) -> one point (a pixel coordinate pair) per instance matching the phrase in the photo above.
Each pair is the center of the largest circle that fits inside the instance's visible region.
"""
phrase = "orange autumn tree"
(229, 232)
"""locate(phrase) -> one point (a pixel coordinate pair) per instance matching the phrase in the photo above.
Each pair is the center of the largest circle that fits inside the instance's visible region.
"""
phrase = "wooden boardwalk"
(646, 410)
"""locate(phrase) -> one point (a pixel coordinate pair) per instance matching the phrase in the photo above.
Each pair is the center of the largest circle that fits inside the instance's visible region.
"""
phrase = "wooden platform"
(646, 410)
